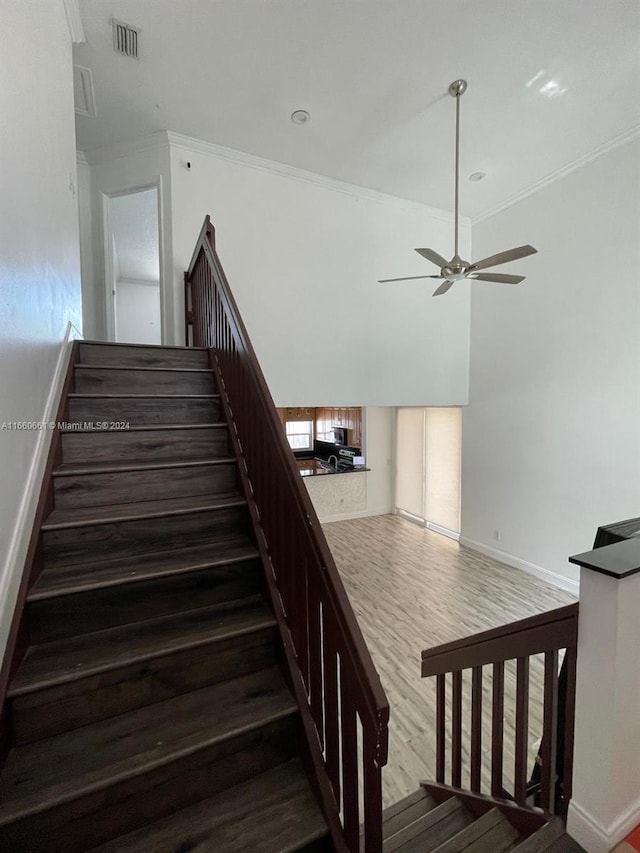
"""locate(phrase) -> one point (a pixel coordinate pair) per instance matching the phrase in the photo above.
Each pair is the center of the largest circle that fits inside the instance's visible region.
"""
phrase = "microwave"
(340, 435)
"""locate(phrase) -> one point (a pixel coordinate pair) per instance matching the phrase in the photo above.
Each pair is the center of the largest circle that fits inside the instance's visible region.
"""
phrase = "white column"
(606, 779)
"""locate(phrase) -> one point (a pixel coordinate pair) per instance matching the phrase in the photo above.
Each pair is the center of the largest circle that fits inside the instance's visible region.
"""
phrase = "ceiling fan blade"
(503, 258)
(443, 288)
(406, 278)
(434, 257)
(501, 278)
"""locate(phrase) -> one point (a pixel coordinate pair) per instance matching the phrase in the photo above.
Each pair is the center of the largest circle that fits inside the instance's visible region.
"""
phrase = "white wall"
(551, 443)
(303, 257)
(92, 304)
(39, 256)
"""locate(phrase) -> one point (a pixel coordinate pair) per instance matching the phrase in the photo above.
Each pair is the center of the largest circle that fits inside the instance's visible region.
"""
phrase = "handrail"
(333, 671)
(547, 633)
(531, 636)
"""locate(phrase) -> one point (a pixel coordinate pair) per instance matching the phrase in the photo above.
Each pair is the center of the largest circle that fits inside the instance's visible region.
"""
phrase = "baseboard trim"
(592, 835)
(19, 544)
(348, 516)
(530, 568)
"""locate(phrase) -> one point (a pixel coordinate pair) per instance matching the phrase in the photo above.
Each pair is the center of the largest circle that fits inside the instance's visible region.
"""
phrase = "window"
(300, 434)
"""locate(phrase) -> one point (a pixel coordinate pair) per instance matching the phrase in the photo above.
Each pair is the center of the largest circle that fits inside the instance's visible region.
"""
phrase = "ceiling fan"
(456, 269)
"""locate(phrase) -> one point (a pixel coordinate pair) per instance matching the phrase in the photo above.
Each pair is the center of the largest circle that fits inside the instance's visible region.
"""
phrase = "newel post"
(606, 777)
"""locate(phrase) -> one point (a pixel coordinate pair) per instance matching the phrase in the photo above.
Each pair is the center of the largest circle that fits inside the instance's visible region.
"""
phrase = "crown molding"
(81, 158)
(282, 170)
(574, 165)
(128, 148)
(74, 21)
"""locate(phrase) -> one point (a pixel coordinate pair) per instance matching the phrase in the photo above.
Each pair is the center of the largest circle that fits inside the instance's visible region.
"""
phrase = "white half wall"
(550, 436)
(40, 301)
(303, 255)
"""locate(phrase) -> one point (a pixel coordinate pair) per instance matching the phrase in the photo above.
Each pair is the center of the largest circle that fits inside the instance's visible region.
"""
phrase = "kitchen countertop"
(317, 467)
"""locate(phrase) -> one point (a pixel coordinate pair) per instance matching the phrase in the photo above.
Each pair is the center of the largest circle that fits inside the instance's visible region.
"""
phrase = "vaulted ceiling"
(550, 82)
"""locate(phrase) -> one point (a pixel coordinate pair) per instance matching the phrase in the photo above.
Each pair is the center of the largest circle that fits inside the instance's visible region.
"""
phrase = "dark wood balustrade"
(548, 634)
(333, 676)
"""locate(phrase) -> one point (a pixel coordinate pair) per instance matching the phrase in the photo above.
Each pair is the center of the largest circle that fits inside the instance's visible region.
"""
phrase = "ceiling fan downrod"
(457, 90)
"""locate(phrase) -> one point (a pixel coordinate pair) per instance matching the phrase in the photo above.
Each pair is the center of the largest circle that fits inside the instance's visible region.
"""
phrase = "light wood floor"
(412, 589)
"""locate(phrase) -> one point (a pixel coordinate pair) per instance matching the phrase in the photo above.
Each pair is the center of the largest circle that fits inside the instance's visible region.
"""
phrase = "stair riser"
(92, 820)
(94, 380)
(126, 538)
(70, 615)
(65, 707)
(143, 411)
(123, 487)
(131, 356)
(146, 445)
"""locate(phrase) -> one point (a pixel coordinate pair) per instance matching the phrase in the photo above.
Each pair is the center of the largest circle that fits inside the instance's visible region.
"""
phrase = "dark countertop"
(318, 467)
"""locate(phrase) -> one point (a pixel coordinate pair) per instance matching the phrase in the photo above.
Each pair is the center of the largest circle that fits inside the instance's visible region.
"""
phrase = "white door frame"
(109, 271)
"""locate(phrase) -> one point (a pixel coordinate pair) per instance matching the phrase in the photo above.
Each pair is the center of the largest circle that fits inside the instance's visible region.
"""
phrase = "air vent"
(126, 39)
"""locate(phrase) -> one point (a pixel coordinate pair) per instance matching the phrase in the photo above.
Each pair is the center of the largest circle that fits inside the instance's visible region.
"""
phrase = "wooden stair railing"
(333, 677)
(548, 634)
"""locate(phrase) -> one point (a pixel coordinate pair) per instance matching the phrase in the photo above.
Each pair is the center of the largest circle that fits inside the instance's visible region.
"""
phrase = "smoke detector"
(300, 117)
(126, 39)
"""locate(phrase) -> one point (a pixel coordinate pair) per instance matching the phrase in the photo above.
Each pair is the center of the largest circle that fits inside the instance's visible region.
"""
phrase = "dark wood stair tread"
(67, 580)
(80, 656)
(82, 516)
(406, 811)
(74, 468)
(543, 839)
(271, 813)
(492, 831)
(142, 367)
(146, 428)
(98, 395)
(430, 829)
(60, 769)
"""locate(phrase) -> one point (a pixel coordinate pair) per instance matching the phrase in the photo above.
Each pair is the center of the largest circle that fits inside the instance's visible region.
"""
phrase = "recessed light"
(477, 176)
(300, 117)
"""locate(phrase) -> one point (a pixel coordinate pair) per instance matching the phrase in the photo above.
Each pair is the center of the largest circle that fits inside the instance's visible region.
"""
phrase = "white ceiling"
(550, 81)
(134, 225)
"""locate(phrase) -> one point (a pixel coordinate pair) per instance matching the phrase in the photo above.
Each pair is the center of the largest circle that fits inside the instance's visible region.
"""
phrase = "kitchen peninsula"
(327, 443)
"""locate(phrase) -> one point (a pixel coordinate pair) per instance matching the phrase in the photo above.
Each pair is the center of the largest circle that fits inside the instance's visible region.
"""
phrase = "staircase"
(149, 711)
(445, 823)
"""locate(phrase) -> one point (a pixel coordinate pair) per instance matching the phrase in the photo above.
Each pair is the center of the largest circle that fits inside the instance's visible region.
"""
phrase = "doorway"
(133, 266)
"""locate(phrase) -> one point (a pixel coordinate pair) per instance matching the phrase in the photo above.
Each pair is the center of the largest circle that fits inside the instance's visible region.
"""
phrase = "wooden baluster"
(331, 710)
(549, 731)
(569, 724)
(372, 793)
(441, 690)
(476, 729)
(497, 729)
(316, 665)
(456, 731)
(522, 731)
(351, 819)
(303, 605)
